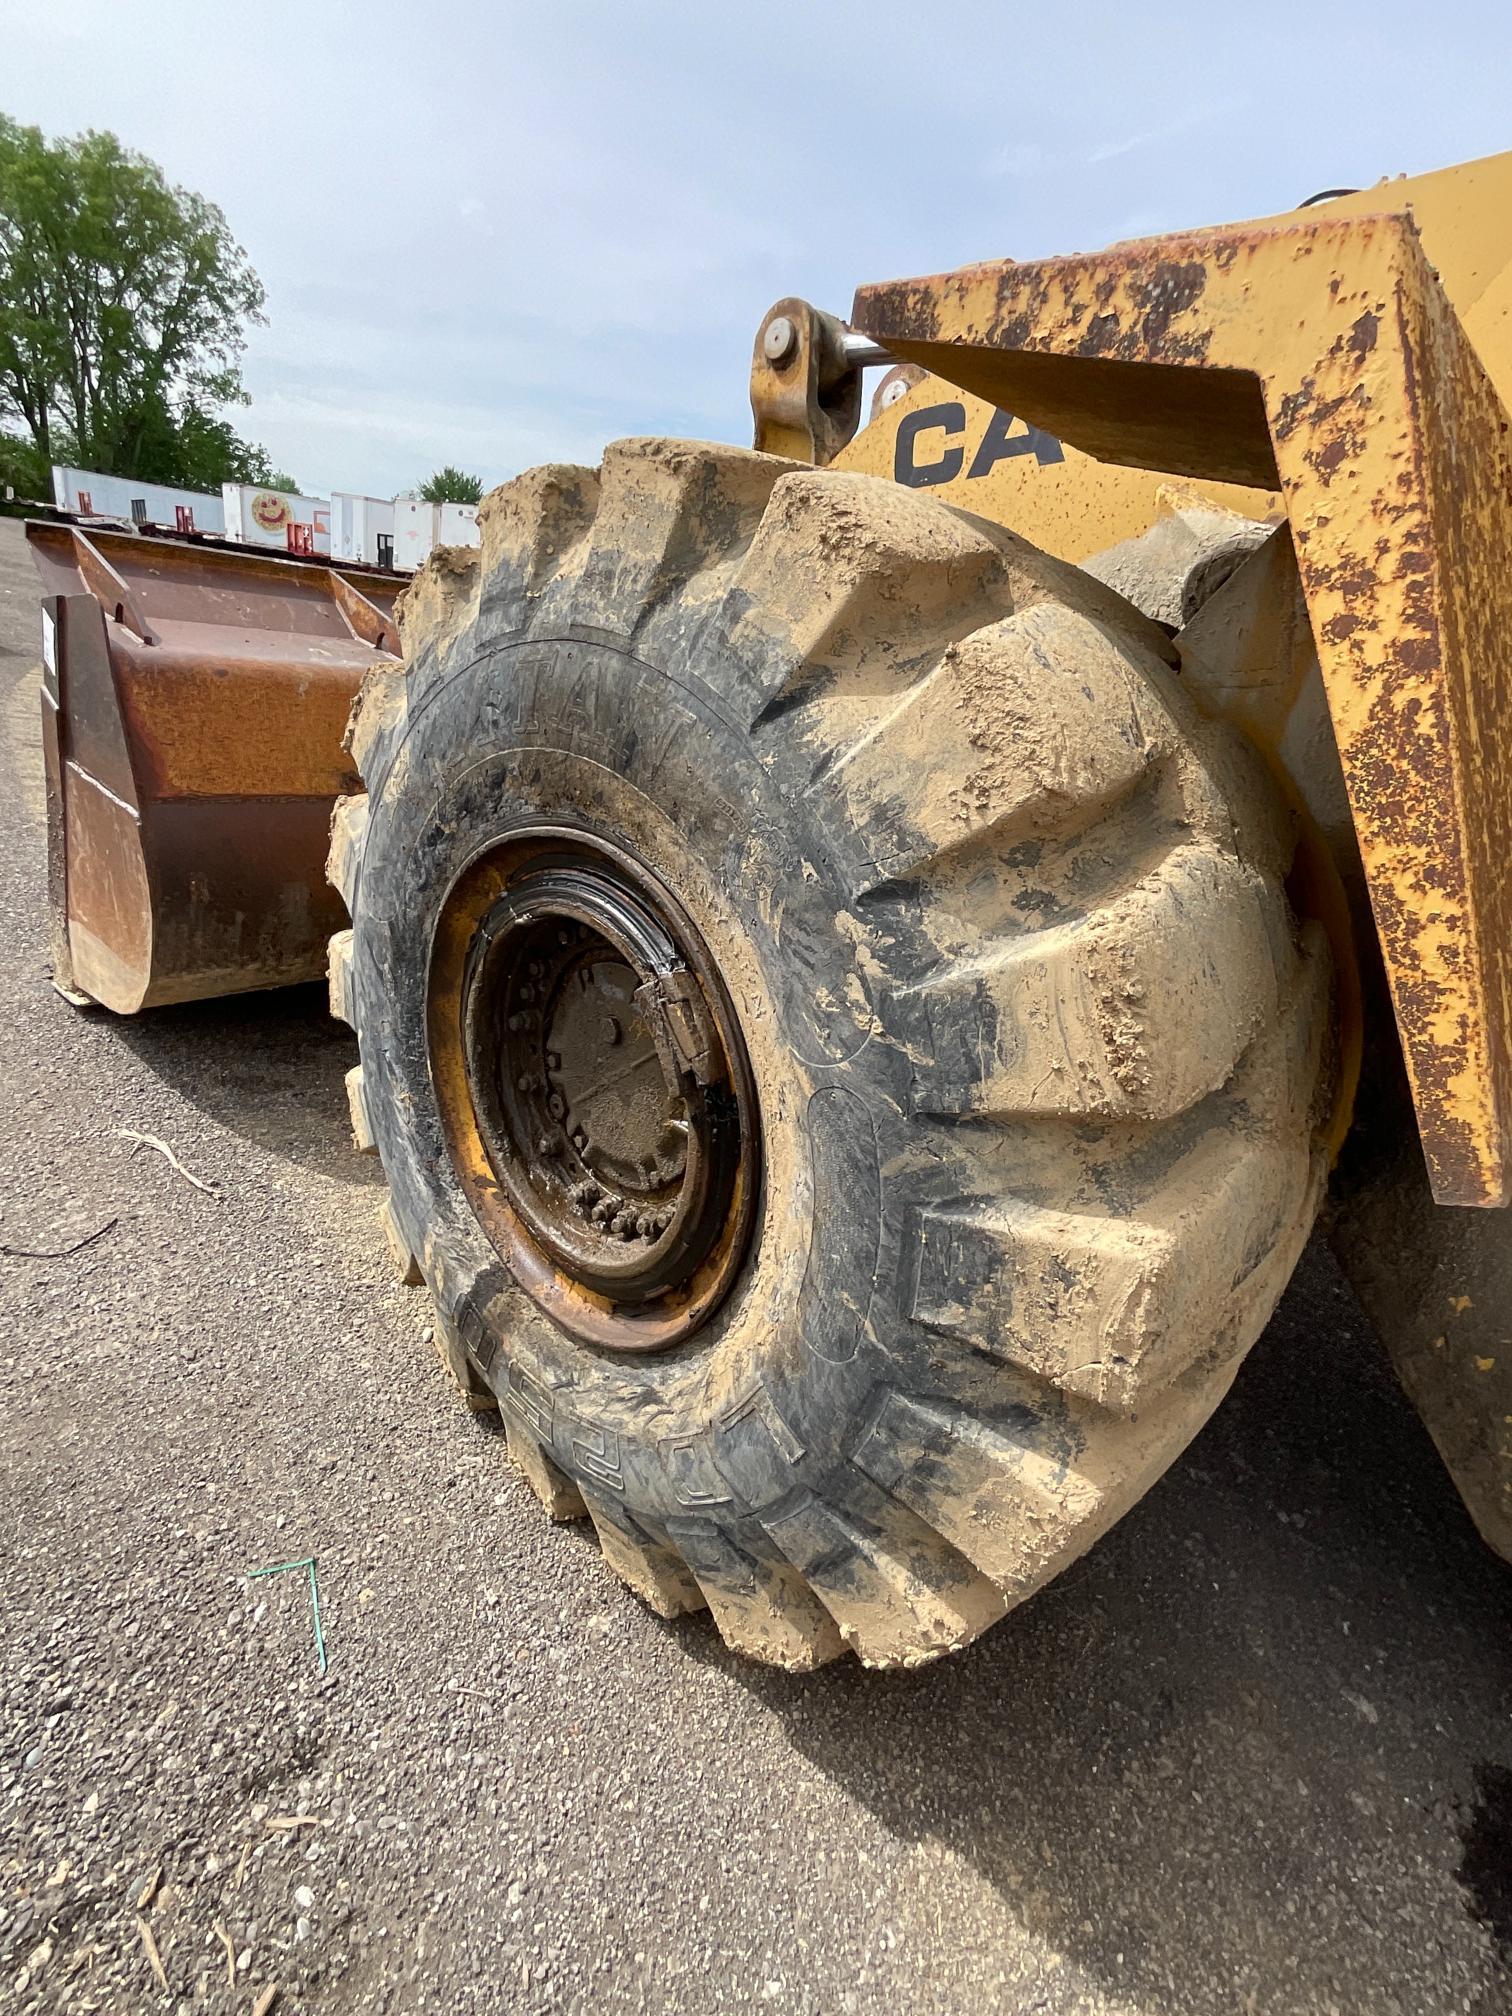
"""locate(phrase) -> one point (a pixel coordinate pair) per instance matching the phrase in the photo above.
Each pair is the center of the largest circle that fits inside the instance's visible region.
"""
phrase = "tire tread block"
(672, 516)
(462, 1375)
(762, 1608)
(651, 1567)
(349, 820)
(406, 1266)
(363, 1137)
(1111, 1308)
(339, 978)
(1136, 1011)
(900, 1597)
(1032, 726)
(1019, 1513)
(440, 599)
(841, 568)
(558, 1494)
(529, 528)
(655, 530)
(376, 720)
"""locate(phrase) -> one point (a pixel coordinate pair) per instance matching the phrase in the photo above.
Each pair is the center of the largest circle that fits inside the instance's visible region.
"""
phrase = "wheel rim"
(595, 1091)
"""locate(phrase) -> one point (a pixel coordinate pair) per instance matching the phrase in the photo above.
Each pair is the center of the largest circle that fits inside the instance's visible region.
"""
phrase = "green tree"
(123, 300)
(24, 468)
(451, 486)
(199, 451)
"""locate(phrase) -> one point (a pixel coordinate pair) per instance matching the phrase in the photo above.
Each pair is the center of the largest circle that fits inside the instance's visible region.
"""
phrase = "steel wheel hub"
(609, 1141)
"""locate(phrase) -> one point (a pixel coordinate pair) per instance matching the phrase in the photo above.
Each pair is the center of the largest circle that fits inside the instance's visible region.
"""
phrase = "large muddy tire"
(1002, 1061)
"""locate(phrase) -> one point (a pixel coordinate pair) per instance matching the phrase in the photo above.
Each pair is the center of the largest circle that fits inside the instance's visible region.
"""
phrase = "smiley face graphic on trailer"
(270, 512)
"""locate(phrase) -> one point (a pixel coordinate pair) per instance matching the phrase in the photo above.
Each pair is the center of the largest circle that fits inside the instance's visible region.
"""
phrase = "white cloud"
(1021, 158)
(1169, 129)
(1112, 149)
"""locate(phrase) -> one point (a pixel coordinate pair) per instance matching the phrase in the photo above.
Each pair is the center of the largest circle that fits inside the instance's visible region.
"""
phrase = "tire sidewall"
(773, 1390)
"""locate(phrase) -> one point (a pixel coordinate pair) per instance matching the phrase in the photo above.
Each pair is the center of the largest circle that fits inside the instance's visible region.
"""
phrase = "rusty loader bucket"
(193, 706)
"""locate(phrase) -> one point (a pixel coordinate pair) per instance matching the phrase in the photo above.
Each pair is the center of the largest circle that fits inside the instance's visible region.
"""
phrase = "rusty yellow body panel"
(970, 453)
(1320, 353)
(1464, 217)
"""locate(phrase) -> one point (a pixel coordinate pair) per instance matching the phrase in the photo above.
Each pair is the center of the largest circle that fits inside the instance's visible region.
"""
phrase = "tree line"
(124, 303)
(124, 306)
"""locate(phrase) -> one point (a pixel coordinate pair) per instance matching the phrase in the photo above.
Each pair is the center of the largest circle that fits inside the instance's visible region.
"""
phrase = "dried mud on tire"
(1041, 1053)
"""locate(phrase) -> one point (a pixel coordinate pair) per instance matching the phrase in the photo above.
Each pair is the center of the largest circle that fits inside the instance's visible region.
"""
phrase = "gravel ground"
(1253, 1755)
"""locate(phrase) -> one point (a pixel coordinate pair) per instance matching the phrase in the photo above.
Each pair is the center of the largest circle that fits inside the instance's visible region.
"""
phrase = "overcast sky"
(494, 235)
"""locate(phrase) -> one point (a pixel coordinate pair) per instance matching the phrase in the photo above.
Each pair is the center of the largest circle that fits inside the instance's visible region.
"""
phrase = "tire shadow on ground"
(1256, 1739)
(269, 1067)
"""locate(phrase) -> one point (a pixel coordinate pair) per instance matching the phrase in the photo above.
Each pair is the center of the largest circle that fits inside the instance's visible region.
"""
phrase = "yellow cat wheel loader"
(870, 955)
